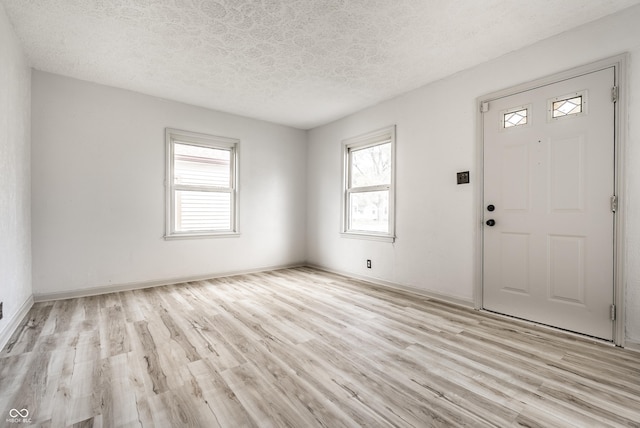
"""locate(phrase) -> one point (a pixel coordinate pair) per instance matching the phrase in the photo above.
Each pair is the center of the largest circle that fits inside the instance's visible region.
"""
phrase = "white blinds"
(202, 179)
(201, 211)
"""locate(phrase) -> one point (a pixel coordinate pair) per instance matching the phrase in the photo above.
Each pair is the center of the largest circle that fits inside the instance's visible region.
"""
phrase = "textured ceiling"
(301, 63)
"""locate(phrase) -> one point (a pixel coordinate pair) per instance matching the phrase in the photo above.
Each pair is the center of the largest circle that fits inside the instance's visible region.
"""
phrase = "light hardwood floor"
(303, 348)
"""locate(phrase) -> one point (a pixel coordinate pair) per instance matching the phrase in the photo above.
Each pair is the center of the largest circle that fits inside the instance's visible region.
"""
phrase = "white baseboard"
(95, 291)
(631, 345)
(14, 322)
(399, 287)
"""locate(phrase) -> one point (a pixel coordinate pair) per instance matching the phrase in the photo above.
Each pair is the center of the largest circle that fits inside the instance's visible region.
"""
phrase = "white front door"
(549, 227)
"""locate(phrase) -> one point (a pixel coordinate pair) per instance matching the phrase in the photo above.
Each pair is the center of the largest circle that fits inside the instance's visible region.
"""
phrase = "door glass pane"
(567, 107)
(202, 211)
(371, 166)
(515, 118)
(369, 211)
(201, 166)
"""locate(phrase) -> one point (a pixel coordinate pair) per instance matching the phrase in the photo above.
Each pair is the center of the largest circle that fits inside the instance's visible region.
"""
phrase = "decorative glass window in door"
(515, 118)
(567, 106)
(570, 105)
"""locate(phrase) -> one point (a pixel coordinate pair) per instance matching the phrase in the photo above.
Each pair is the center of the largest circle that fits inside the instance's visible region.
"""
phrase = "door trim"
(619, 63)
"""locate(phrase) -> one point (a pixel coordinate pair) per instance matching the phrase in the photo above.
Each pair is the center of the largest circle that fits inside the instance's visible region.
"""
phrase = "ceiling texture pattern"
(301, 63)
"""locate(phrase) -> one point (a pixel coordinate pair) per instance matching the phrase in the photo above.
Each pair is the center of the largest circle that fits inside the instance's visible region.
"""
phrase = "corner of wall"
(15, 176)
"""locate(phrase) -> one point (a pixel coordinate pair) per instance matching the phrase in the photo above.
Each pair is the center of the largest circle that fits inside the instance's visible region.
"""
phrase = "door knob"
(491, 222)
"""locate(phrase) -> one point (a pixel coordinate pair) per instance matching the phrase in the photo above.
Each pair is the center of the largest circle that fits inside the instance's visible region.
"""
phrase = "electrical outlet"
(1, 310)
(368, 264)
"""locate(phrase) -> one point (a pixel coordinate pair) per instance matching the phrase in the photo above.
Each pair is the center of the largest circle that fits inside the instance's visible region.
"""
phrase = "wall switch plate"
(368, 264)
(463, 177)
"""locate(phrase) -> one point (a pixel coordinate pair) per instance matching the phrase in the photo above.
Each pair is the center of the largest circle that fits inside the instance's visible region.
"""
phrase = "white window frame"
(173, 136)
(371, 139)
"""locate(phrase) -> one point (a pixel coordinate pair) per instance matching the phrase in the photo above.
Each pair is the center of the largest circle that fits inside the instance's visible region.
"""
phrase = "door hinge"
(614, 203)
(484, 106)
(615, 92)
(612, 312)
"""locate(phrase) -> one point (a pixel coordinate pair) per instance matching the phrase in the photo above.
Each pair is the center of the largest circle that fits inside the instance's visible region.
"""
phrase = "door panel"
(515, 190)
(515, 274)
(567, 269)
(548, 257)
(567, 170)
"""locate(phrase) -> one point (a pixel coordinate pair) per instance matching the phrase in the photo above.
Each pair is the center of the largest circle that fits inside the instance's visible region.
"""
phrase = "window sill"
(178, 236)
(368, 236)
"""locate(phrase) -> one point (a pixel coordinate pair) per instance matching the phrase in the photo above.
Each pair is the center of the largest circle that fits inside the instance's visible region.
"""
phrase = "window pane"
(515, 118)
(567, 107)
(371, 166)
(201, 166)
(369, 211)
(198, 211)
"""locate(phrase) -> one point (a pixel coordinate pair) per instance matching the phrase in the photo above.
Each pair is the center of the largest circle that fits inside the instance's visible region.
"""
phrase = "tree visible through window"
(369, 184)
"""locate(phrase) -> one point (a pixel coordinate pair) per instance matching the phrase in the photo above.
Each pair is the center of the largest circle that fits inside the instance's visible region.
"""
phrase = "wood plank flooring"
(303, 348)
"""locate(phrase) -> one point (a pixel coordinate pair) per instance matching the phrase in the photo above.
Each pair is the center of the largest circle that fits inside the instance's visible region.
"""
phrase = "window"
(368, 198)
(515, 118)
(566, 107)
(201, 185)
(571, 105)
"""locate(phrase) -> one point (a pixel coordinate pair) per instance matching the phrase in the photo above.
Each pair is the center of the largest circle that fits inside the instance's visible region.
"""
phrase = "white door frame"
(619, 63)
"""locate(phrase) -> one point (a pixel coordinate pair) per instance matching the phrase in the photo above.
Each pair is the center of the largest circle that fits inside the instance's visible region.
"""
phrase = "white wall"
(436, 137)
(15, 183)
(98, 164)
